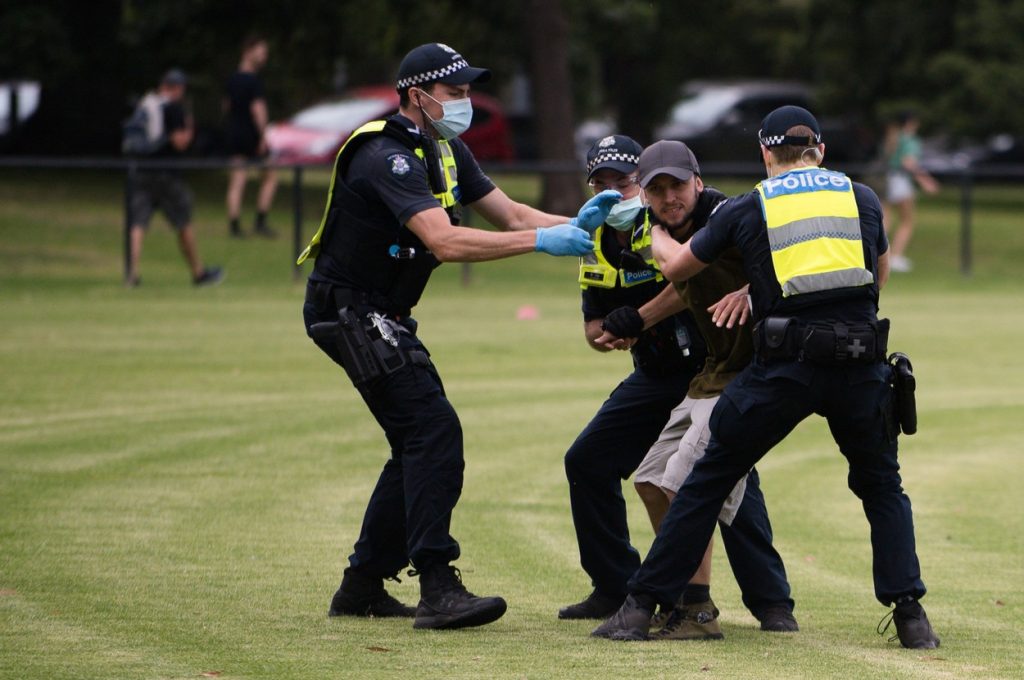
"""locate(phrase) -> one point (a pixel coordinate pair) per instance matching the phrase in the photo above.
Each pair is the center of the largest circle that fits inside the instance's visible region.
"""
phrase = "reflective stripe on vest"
(376, 127)
(595, 270)
(813, 231)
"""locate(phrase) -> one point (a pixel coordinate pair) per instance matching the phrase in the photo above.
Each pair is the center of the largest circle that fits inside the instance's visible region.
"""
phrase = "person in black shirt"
(391, 218)
(245, 104)
(816, 256)
(165, 188)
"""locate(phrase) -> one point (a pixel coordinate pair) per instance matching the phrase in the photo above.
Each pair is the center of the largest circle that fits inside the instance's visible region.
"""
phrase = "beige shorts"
(681, 444)
(898, 187)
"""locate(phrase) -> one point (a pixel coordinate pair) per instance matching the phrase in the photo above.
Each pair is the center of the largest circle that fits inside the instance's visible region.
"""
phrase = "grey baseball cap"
(667, 157)
(174, 76)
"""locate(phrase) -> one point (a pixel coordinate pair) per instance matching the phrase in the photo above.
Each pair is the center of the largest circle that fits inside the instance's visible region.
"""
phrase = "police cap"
(667, 157)
(781, 120)
(436, 62)
(616, 152)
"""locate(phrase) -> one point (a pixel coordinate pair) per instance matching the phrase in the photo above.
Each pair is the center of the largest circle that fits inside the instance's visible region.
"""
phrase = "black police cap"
(617, 152)
(781, 120)
(436, 62)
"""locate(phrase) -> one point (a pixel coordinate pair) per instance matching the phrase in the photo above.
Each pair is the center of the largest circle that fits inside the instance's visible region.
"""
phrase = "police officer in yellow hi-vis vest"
(625, 295)
(391, 217)
(815, 254)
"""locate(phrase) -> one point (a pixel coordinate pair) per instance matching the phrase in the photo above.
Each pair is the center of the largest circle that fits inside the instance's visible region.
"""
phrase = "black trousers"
(409, 513)
(757, 410)
(609, 450)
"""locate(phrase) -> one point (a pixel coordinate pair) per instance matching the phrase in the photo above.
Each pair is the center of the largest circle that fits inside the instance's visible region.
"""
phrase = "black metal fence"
(965, 179)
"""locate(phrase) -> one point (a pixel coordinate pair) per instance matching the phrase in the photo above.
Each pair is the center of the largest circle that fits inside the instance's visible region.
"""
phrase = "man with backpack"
(161, 128)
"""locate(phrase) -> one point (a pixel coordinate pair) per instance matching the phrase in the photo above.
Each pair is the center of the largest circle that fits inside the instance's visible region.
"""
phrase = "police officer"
(390, 218)
(627, 304)
(816, 256)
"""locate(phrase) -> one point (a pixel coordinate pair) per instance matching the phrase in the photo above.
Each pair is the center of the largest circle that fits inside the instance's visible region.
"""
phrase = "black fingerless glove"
(624, 322)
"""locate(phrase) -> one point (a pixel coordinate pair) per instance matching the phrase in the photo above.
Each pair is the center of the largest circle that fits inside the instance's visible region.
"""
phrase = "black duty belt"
(349, 297)
(825, 343)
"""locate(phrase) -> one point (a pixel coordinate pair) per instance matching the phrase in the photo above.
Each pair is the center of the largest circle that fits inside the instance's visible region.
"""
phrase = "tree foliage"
(961, 64)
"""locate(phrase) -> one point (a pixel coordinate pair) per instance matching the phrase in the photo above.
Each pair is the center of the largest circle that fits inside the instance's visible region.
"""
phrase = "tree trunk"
(548, 28)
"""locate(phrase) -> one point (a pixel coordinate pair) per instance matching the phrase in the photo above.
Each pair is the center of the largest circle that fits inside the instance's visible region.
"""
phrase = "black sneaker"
(210, 276)
(912, 627)
(265, 232)
(446, 604)
(631, 622)
(596, 606)
(778, 619)
(361, 595)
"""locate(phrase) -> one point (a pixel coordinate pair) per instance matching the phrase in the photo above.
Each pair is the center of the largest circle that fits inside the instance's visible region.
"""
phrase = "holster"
(904, 403)
(368, 349)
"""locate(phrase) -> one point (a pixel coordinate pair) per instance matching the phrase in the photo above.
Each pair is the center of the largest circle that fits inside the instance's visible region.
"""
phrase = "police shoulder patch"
(399, 164)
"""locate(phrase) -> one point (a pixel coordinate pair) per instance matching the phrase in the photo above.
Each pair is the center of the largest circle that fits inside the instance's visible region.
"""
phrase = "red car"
(315, 134)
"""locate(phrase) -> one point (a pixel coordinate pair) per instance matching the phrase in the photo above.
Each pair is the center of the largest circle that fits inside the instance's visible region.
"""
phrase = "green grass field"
(182, 473)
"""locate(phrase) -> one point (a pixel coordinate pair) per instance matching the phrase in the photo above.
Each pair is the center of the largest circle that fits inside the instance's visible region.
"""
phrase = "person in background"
(245, 106)
(903, 151)
(165, 189)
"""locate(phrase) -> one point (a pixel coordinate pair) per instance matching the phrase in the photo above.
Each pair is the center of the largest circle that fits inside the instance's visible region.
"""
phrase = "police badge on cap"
(436, 62)
(617, 152)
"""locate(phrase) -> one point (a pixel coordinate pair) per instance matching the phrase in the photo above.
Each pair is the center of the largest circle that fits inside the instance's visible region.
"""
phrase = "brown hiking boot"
(691, 622)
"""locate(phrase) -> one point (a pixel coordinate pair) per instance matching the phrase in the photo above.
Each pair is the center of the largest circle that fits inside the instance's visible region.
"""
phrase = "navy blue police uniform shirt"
(739, 222)
(392, 181)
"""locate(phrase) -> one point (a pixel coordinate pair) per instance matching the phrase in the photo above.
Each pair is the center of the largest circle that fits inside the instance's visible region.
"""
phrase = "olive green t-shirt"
(729, 350)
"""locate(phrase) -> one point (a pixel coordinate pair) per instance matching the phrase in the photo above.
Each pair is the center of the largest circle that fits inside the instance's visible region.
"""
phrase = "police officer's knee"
(869, 486)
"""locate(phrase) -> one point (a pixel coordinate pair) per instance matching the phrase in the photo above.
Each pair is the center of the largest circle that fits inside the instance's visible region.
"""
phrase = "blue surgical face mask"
(457, 115)
(623, 214)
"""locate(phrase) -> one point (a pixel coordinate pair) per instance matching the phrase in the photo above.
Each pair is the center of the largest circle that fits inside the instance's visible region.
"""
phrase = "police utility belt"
(368, 341)
(787, 338)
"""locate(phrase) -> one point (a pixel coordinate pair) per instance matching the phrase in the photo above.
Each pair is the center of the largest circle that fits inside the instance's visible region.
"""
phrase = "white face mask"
(455, 119)
(623, 214)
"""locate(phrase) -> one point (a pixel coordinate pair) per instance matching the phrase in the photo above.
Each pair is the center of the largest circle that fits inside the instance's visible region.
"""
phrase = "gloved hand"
(624, 322)
(594, 212)
(563, 239)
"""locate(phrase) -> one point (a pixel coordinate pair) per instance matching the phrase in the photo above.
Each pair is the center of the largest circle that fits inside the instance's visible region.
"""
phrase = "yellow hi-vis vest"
(814, 231)
(376, 127)
(595, 270)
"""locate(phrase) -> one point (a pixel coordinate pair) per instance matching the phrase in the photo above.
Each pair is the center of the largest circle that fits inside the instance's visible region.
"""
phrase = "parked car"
(995, 153)
(719, 120)
(22, 93)
(314, 134)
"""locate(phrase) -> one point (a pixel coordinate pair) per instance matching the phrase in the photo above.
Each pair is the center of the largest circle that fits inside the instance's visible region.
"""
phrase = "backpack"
(143, 133)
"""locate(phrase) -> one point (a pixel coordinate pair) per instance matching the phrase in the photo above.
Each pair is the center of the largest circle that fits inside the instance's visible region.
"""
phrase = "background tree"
(960, 64)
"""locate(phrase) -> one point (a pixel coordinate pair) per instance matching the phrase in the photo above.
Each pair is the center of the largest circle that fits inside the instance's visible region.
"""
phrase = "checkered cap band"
(605, 157)
(436, 74)
(779, 140)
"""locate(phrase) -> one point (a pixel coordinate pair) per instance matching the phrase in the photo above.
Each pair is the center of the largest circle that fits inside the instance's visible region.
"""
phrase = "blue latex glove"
(564, 239)
(594, 212)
